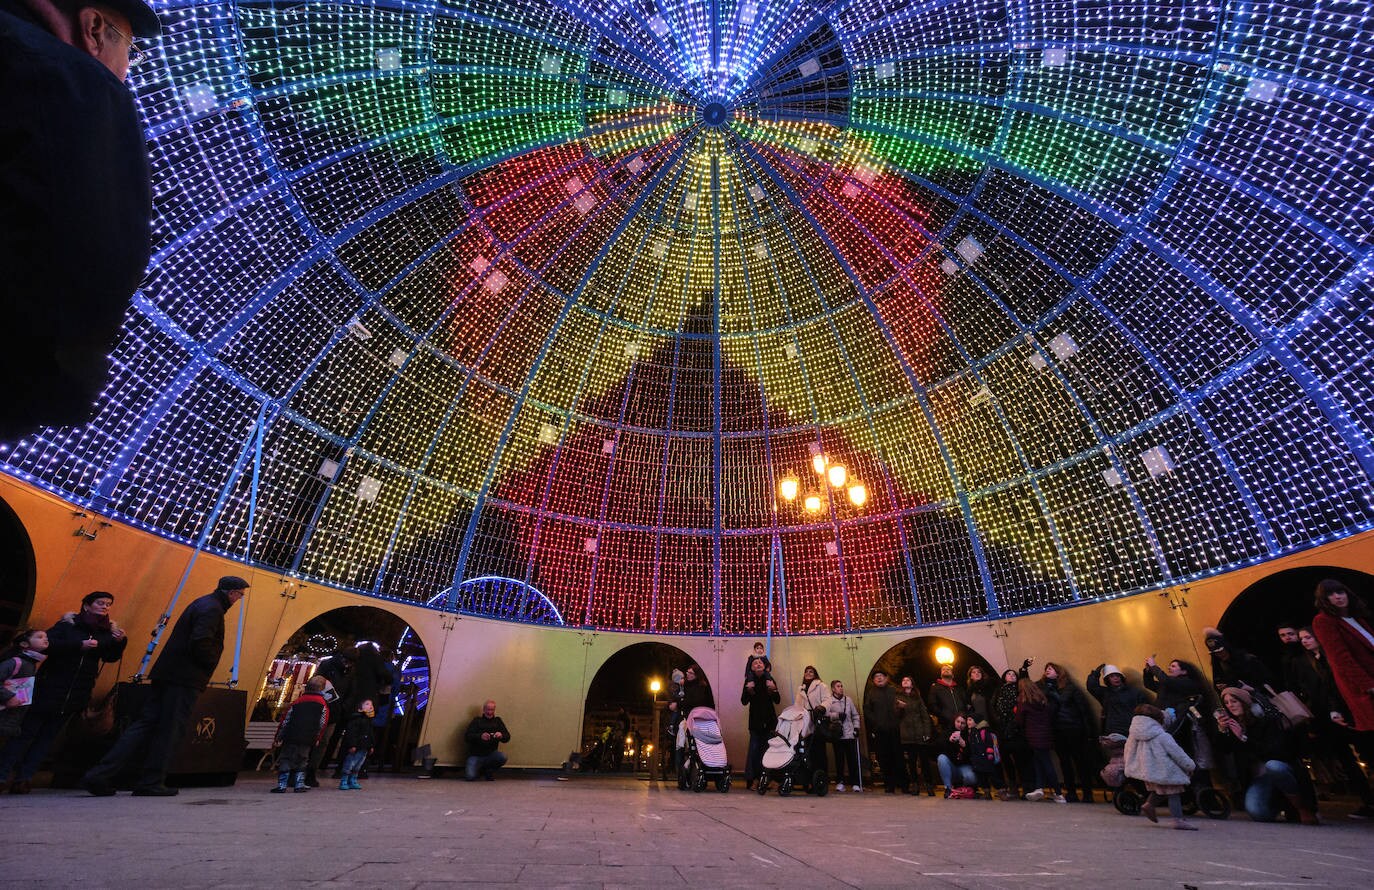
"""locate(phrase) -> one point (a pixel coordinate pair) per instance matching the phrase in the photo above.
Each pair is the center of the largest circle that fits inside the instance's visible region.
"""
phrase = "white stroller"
(786, 760)
(705, 758)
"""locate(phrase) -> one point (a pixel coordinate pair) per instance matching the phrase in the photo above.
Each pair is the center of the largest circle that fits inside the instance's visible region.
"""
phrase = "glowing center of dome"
(714, 114)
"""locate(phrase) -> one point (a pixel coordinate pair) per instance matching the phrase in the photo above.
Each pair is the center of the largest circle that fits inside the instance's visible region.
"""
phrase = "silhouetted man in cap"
(189, 658)
(75, 201)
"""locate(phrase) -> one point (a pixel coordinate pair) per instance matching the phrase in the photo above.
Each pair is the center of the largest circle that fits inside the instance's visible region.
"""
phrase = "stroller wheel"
(1127, 802)
(1215, 804)
(785, 786)
(699, 780)
(762, 785)
(820, 783)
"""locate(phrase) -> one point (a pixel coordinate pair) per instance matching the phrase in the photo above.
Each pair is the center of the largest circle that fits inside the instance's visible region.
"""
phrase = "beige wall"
(539, 676)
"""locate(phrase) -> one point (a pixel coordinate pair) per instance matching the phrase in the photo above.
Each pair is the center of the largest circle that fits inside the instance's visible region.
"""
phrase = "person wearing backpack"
(18, 665)
(985, 756)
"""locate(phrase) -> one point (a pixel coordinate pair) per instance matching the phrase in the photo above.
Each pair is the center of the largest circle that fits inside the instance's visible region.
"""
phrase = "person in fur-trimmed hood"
(1153, 757)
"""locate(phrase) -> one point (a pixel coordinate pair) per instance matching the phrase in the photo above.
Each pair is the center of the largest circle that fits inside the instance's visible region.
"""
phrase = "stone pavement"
(532, 830)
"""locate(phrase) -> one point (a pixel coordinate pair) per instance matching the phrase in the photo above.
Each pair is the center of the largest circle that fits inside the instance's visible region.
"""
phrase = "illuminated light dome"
(555, 293)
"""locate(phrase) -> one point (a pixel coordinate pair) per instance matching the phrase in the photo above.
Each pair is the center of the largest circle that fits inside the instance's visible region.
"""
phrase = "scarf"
(93, 622)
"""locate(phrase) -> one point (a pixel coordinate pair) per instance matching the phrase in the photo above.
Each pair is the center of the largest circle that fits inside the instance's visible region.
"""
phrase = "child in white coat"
(1153, 757)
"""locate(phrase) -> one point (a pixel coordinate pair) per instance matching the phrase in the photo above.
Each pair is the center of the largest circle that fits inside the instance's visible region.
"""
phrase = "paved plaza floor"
(532, 830)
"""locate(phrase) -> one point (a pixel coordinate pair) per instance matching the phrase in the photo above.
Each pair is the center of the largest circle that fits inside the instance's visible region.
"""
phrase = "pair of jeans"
(154, 734)
(486, 764)
(950, 771)
(23, 753)
(1274, 775)
(753, 764)
(353, 763)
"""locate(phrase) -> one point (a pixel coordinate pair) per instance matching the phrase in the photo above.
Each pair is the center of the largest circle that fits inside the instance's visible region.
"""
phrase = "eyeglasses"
(137, 55)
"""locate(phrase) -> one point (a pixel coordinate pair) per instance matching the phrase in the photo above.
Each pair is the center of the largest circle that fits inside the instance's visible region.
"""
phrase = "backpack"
(963, 792)
(983, 753)
(22, 687)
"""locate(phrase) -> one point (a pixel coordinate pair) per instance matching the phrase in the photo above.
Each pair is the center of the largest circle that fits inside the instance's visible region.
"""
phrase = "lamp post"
(654, 746)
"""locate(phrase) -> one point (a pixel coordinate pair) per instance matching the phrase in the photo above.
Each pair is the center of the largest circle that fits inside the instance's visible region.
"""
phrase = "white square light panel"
(810, 68)
(1158, 461)
(199, 98)
(368, 489)
(1054, 57)
(1261, 90)
(389, 58)
(1063, 346)
(969, 249)
(548, 433)
(885, 70)
(551, 64)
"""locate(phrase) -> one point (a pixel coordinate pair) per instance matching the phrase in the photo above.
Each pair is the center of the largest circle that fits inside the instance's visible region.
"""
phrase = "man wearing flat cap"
(189, 658)
(75, 200)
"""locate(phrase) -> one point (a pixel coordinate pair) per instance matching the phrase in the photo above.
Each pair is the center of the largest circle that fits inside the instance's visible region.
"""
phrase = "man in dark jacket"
(484, 735)
(947, 699)
(75, 200)
(884, 732)
(189, 658)
(77, 645)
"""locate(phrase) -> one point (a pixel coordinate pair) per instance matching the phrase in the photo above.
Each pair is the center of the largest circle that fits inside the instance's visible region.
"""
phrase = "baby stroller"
(1128, 795)
(786, 759)
(704, 755)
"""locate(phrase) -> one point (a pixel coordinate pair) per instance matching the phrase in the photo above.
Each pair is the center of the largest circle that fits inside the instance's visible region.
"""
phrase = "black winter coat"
(1072, 714)
(74, 230)
(946, 703)
(1004, 713)
(193, 648)
(1174, 692)
(305, 721)
(358, 732)
(1037, 723)
(880, 709)
(763, 716)
(1118, 703)
(68, 676)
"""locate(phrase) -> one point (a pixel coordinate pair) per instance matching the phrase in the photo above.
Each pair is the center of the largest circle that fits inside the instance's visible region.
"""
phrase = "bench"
(259, 735)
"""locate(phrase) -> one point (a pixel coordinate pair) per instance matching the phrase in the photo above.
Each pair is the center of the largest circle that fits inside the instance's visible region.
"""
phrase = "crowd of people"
(1260, 731)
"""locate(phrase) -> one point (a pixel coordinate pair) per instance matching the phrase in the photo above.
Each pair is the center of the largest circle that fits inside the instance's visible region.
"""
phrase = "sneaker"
(856, 789)
(1003, 794)
(1364, 812)
(1037, 794)
(280, 789)
(840, 786)
(1059, 798)
(1184, 825)
(301, 789)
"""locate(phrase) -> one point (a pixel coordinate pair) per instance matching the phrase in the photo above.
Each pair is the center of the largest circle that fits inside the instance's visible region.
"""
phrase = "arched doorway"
(1251, 620)
(349, 630)
(618, 716)
(18, 572)
(916, 657)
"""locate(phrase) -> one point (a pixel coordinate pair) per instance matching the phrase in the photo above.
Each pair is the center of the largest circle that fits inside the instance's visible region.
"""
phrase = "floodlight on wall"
(788, 487)
(944, 655)
(837, 475)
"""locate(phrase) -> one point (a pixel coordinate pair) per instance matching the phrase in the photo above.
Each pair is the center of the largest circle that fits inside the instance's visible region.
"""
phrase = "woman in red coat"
(1343, 628)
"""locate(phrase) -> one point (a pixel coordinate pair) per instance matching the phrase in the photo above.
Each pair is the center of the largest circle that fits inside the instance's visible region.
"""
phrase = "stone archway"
(344, 629)
(18, 572)
(1251, 620)
(622, 682)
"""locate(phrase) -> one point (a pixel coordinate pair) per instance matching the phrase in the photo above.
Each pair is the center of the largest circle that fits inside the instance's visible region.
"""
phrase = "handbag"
(1290, 706)
(98, 717)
